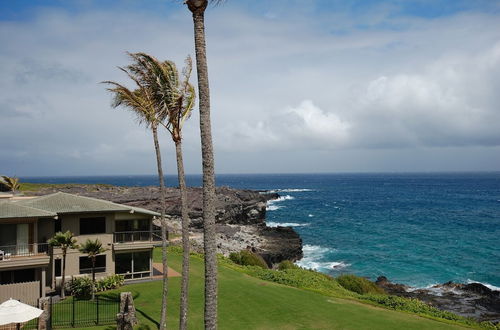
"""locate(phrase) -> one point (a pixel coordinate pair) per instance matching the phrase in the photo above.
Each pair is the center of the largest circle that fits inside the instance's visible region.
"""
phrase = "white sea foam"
(286, 224)
(435, 289)
(289, 190)
(282, 198)
(270, 204)
(312, 259)
(311, 215)
(489, 286)
(273, 207)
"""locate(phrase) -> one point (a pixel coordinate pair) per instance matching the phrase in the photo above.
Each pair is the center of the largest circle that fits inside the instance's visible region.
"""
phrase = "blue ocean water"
(416, 229)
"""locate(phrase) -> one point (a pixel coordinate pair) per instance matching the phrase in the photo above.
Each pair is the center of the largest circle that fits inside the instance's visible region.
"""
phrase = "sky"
(304, 86)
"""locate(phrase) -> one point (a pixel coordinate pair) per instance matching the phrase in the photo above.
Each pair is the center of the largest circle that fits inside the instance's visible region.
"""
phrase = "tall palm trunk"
(185, 237)
(208, 165)
(93, 278)
(63, 294)
(163, 317)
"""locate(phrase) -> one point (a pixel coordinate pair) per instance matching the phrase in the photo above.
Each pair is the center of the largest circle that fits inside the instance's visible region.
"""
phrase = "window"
(133, 265)
(92, 225)
(57, 267)
(132, 225)
(86, 264)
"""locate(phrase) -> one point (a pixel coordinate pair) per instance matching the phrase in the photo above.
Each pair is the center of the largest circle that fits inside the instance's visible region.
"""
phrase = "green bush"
(81, 287)
(301, 278)
(359, 284)
(287, 264)
(110, 282)
(248, 258)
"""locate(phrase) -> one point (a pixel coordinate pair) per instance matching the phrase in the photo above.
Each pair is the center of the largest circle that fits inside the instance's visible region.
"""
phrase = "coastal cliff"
(240, 217)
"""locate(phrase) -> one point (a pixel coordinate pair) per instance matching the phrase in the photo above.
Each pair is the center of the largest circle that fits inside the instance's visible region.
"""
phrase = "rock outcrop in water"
(470, 300)
(240, 217)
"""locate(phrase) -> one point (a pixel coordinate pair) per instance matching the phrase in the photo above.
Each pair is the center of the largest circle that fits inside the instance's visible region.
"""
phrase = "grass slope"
(246, 302)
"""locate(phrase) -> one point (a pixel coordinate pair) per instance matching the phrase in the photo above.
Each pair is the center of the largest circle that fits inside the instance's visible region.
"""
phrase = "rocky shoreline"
(469, 300)
(240, 217)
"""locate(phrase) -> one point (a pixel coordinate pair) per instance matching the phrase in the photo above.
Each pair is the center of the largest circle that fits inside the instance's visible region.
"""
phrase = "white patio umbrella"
(13, 311)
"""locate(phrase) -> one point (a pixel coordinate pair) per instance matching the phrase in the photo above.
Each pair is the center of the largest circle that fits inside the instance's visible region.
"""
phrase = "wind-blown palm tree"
(181, 102)
(197, 8)
(11, 183)
(141, 102)
(176, 98)
(64, 241)
(92, 249)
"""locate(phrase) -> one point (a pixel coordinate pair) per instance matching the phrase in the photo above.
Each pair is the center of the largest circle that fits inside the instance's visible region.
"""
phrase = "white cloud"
(287, 81)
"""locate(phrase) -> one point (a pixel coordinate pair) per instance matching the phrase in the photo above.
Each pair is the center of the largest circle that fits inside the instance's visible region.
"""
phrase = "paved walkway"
(157, 271)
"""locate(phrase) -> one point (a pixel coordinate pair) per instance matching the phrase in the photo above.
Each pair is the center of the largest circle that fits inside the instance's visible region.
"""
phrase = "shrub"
(81, 287)
(287, 264)
(301, 278)
(248, 258)
(359, 285)
(110, 282)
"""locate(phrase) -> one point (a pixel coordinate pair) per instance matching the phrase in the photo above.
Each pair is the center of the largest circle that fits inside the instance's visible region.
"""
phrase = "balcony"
(125, 240)
(24, 255)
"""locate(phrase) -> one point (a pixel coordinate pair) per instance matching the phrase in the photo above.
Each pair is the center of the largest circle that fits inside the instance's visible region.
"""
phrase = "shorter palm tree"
(12, 183)
(64, 241)
(92, 249)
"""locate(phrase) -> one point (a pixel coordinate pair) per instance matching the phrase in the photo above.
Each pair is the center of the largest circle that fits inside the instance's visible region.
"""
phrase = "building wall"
(72, 223)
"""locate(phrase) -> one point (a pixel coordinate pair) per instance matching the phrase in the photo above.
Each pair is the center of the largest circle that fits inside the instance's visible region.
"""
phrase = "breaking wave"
(270, 204)
(489, 286)
(313, 255)
(286, 224)
(288, 190)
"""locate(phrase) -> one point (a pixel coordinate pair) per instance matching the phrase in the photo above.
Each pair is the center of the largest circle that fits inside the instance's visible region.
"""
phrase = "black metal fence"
(73, 312)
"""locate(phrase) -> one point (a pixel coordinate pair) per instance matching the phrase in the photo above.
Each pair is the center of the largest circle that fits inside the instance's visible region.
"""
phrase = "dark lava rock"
(470, 300)
(240, 215)
(282, 243)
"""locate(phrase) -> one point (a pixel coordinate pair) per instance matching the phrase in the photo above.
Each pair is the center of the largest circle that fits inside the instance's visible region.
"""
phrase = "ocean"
(415, 229)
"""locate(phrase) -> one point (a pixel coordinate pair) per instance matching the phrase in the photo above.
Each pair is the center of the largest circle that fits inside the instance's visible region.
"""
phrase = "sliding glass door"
(133, 264)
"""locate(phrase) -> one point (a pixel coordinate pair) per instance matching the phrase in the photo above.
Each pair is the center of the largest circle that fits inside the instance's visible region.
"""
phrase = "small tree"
(12, 183)
(64, 241)
(92, 249)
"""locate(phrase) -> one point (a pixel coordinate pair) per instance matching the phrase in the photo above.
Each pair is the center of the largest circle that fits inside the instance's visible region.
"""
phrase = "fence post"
(97, 309)
(44, 321)
(73, 312)
(125, 319)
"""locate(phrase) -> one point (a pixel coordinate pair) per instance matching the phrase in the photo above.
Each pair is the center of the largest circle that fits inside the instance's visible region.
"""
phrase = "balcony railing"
(23, 250)
(136, 236)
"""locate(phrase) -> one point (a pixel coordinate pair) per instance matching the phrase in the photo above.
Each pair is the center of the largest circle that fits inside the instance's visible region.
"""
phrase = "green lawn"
(249, 303)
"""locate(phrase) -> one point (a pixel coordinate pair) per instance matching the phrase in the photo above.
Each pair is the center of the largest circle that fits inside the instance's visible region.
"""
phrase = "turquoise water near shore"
(416, 229)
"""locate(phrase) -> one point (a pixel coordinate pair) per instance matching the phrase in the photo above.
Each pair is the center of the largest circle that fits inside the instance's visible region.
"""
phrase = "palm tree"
(141, 102)
(181, 102)
(11, 183)
(64, 241)
(175, 98)
(92, 249)
(197, 8)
